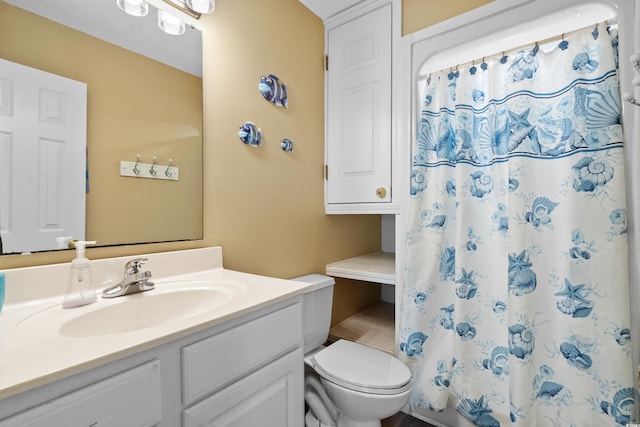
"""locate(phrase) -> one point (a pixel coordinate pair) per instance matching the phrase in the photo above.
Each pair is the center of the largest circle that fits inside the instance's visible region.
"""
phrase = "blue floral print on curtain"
(515, 307)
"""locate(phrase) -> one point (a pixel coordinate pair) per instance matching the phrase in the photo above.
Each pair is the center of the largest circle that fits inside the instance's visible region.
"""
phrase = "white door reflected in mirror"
(43, 128)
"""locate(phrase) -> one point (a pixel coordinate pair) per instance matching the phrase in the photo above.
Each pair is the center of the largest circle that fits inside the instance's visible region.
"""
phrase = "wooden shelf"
(379, 267)
(373, 326)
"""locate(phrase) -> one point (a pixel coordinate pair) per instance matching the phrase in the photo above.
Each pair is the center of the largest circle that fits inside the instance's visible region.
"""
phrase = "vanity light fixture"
(170, 24)
(167, 21)
(134, 7)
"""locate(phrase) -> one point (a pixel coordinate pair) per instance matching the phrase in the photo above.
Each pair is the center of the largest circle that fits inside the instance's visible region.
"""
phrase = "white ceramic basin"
(168, 302)
(145, 310)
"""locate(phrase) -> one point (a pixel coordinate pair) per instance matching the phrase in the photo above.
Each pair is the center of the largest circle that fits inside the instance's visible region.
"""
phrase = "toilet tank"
(316, 310)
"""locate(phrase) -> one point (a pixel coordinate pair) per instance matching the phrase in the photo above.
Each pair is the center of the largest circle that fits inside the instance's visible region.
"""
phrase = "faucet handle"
(133, 266)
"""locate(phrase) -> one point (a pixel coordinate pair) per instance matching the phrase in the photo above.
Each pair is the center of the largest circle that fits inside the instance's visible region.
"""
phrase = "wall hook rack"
(138, 169)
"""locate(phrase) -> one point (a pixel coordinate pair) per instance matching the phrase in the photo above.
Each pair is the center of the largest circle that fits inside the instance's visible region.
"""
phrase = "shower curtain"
(515, 308)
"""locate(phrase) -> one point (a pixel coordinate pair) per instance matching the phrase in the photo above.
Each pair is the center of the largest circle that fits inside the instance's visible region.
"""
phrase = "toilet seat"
(360, 368)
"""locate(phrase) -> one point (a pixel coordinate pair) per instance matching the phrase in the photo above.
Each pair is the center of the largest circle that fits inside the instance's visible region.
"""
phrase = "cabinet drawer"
(131, 398)
(215, 362)
(270, 397)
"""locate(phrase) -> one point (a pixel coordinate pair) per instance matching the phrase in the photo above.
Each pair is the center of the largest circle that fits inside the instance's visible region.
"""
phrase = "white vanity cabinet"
(359, 133)
(245, 371)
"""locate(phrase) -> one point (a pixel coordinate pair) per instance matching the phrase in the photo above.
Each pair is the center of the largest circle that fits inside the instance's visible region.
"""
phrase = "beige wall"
(264, 206)
(418, 14)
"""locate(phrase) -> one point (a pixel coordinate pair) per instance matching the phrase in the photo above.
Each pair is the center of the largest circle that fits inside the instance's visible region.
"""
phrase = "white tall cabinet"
(358, 116)
(359, 127)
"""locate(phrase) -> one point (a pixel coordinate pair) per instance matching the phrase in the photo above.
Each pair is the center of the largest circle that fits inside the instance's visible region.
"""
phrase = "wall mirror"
(143, 103)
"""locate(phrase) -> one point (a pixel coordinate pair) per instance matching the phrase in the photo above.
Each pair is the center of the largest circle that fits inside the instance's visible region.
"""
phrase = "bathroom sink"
(145, 310)
(169, 302)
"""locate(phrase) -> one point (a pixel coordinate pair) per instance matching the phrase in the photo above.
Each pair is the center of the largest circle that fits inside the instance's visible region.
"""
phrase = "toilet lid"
(361, 368)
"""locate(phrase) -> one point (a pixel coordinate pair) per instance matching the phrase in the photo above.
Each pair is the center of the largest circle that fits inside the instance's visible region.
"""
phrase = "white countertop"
(30, 357)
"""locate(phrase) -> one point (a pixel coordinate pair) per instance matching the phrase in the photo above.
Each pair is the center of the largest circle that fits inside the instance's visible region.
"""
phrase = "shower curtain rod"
(480, 61)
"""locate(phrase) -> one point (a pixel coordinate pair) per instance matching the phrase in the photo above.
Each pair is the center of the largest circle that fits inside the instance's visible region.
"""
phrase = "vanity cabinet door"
(131, 398)
(270, 396)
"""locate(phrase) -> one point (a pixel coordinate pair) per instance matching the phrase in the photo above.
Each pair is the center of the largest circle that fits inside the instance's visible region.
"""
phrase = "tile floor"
(403, 420)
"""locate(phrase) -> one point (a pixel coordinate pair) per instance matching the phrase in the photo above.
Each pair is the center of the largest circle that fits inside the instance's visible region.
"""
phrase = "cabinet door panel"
(359, 109)
(215, 362)
(132, 398)
(268, 397)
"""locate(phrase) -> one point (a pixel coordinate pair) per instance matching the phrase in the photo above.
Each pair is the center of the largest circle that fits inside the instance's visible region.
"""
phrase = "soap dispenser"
(80, 289)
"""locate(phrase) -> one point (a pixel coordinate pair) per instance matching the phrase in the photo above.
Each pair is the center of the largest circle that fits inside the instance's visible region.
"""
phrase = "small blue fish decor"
(286, 145)
(250, 135)
(274, 91)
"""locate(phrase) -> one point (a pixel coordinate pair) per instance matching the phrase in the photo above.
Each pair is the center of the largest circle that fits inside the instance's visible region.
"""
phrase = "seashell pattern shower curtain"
(515, 309)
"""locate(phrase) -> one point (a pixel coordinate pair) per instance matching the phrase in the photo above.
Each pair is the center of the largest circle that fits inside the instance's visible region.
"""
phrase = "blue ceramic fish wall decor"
(274, 91)
(250, 135)
(286, 145)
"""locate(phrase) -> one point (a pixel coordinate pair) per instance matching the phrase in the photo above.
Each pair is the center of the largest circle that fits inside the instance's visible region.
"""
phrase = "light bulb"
(170, 24)
(202, 6)
(133, 7)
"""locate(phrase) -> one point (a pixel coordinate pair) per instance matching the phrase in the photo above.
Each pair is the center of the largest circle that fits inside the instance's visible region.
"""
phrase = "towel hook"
(635, 61)
(628, 97)
(166, 172)
(153, 170)
(136, 170)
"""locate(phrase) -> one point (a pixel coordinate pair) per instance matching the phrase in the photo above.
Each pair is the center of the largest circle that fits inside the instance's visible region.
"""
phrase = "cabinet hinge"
(326, 62)
(326, 172)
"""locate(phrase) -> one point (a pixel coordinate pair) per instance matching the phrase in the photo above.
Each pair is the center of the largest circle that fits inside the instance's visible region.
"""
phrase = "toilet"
(346, 384)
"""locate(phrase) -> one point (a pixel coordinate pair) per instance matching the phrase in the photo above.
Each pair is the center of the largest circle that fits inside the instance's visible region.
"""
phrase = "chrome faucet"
(133, 281)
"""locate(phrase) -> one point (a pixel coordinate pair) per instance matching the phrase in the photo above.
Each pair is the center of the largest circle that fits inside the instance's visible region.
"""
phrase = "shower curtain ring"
(473, 68)
(484, 64)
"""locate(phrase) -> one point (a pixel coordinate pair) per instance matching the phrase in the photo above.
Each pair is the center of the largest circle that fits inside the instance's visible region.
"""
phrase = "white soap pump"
(80, 289)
